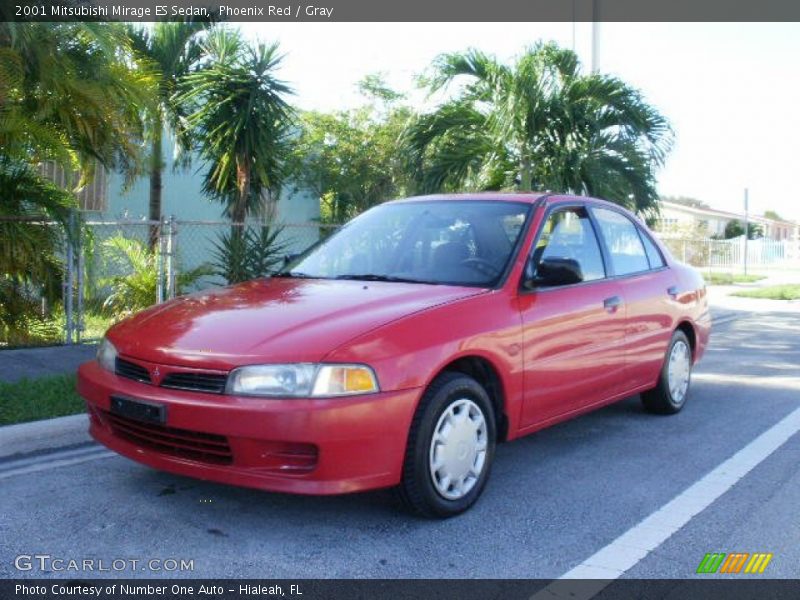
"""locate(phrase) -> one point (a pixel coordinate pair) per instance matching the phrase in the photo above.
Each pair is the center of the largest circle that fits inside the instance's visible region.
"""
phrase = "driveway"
(31, 363)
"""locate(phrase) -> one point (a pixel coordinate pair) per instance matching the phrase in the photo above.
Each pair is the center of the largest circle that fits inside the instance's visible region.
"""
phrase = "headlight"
(302, 380)
(107, 355)
(272, 380)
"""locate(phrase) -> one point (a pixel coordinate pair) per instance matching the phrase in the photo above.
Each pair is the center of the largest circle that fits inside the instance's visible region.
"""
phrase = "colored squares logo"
(736, 562)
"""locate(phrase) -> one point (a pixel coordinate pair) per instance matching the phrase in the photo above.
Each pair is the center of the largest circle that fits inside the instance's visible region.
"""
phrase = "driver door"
(572, 334)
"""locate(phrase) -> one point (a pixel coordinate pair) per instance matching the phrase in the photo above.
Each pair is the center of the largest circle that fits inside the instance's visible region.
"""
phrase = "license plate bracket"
(139, 410)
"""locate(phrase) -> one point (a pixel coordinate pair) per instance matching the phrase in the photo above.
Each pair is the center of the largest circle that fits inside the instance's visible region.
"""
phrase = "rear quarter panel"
(693, 306)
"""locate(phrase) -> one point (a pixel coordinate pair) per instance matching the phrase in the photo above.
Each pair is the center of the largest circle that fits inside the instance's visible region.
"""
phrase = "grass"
(730, 278)
(95, 325)
(774, 292)
(35, 399)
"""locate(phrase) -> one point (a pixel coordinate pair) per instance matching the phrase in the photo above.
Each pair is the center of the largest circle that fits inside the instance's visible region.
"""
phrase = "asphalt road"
(554, 499)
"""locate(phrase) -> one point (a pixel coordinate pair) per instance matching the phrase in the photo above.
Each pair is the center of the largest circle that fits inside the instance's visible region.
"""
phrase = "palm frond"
(542, 122)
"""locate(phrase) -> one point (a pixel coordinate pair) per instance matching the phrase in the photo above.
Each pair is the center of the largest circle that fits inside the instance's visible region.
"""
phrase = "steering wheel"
(481, 264)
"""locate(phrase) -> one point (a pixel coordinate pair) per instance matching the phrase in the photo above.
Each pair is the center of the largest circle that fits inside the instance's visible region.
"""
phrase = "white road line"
(58, 462)
(627, 550)
(772, 381)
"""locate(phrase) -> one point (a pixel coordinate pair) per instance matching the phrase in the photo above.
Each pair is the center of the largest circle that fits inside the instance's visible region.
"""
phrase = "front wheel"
(450, 447)
(669, 395)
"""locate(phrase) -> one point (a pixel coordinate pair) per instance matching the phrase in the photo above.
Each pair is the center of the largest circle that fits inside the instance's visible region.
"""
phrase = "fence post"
(79, 324)
(172, 233)
(69, 279)
(160, 262)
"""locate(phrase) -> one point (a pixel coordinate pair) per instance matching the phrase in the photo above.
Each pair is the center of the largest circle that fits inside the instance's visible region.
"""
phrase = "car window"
(623, 242)
(569, 234)
(653, 255)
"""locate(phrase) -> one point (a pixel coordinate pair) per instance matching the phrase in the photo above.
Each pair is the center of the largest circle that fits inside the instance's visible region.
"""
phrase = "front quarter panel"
(411, 352)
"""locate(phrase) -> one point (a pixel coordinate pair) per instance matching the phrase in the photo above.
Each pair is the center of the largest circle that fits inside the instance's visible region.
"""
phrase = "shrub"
(246, 253)
(135, 280)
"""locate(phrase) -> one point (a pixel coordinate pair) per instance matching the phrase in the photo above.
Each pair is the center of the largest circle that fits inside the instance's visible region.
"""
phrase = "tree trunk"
(156, 168)
(239, 209)
(526, 175)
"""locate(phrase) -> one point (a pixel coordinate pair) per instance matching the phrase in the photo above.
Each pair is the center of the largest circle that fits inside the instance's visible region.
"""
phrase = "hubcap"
(458, 449)
(679, 370)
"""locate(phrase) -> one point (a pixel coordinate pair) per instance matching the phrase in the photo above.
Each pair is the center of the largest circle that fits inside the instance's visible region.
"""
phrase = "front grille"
(197, 382)
(210, 383)
(130, 370)
(192, 445)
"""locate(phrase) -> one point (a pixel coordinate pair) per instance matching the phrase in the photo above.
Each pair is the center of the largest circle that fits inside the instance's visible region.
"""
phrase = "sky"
(731, 91)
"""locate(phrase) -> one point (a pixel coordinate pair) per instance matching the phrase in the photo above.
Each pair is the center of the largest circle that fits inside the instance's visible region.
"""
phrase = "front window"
(456, 242)
(568, 234)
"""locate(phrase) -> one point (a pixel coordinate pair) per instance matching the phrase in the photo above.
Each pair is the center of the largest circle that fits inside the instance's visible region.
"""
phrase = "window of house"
(92, 196)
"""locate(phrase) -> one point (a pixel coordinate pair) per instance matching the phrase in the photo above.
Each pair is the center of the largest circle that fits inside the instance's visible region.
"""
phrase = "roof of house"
(713, 212)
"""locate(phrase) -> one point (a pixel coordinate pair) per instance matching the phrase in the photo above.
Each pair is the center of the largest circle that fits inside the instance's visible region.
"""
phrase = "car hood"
(271, 320)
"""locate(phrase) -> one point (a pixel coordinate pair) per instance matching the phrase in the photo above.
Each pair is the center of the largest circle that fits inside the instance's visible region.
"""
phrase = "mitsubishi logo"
(156, 373)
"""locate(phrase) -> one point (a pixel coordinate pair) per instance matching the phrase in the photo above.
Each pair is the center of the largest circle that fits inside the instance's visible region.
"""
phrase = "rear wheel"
(450, 447)
(669, 396)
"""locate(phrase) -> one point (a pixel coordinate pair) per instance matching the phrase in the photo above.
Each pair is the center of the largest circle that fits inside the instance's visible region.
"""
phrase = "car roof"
(526, 197)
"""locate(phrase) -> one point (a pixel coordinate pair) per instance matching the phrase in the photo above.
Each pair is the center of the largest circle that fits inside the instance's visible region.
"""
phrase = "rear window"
(653, 255)
(623, 242)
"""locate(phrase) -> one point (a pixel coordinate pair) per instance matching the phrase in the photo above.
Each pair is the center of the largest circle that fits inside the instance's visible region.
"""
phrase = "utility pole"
(595, 35)
(573, 25)
(746, 227)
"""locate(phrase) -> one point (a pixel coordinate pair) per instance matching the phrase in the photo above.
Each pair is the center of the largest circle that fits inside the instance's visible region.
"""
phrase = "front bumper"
(319, 446)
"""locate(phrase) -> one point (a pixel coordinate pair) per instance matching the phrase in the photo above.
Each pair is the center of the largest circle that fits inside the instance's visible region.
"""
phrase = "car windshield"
(454, 242)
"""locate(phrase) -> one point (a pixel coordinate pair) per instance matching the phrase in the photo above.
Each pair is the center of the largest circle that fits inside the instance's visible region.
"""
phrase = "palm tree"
(242, 122)
(539, 123)
(68, 94)
(172, 50)
(28, 249)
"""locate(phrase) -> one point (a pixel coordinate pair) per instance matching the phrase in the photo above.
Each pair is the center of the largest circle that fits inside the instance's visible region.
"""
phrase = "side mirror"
(554, 271)
(287, 258)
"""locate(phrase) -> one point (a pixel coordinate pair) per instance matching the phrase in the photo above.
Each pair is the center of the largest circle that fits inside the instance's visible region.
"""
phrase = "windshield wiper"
(294, 274)
(375, 277)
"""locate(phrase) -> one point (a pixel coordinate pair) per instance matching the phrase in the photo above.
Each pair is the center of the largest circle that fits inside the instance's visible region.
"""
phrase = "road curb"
(48, 434)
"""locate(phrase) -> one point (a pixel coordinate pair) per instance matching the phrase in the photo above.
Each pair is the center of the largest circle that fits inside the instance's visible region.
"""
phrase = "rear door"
(572, 334)
(647, 289)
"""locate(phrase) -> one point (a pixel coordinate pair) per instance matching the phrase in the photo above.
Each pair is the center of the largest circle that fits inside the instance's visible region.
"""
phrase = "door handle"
(672, 291)
(612, 304)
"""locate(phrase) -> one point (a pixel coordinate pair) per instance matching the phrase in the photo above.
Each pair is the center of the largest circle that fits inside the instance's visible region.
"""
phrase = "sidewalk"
(31, 363)
(723, 303)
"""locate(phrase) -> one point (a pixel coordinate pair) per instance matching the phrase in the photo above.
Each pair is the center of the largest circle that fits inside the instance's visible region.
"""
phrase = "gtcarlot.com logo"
(736, 562)
(50, 563)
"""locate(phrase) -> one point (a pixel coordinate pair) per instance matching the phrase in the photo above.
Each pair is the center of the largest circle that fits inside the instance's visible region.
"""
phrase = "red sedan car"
(402, 349)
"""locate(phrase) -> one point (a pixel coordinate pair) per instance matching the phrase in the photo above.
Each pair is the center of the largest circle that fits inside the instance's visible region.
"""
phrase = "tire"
(665, 399)
(461, 448)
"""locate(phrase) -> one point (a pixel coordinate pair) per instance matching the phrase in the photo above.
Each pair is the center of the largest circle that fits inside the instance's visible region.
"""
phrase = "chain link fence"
(113, 268)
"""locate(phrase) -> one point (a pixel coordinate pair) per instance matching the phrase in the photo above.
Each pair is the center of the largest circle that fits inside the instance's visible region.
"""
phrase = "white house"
(676, 218)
